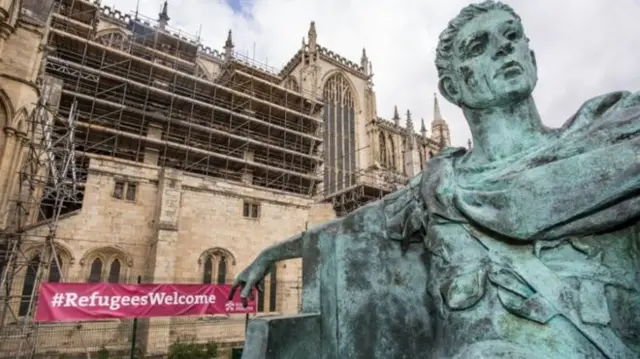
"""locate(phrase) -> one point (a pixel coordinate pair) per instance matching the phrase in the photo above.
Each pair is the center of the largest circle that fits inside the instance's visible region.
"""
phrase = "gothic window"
(95, 274)
(217, 265)
(392, 154)
(114, 271)
(107, 264)
(29, 286)
(5, 118)
(207, 271)
(53, 275)
(383, 149)
(404, 159)
(339, 134)
(422, 160)
(221, 278)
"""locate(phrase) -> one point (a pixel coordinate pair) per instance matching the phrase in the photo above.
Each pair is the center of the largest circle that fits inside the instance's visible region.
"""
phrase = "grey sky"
(584, 48)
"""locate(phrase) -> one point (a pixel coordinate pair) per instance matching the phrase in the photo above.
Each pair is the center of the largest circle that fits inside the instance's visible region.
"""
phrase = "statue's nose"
(505, 49)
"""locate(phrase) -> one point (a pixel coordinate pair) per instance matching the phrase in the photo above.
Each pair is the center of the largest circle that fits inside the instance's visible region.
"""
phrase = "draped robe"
(568, 206)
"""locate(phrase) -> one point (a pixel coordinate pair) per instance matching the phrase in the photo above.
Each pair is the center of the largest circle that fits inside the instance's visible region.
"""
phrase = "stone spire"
(228, 47)
(437, 115)
(411, 152)
(439, 127)
(411, 139)
(313, 37)
(228, 44)
(423, 129)
(364, 62)
(469, 144)
(396, 116)
(163, 16)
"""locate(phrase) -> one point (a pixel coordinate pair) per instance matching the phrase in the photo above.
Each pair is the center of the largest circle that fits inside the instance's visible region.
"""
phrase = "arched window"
(28, 286)
(53, 274)
(392, 153)
(95, 274)
(422, 160)
(5, 119)
(106, 264)
(207, 271)
(222, 270)
(339, 134)
(114, 271)
(383, 149)
(216, 265)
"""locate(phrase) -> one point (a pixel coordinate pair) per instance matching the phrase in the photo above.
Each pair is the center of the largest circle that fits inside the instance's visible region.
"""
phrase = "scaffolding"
(142, 97)
(138, 93)
(49, 186)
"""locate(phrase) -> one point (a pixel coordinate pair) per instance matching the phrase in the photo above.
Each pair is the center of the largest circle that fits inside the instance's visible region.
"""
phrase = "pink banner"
(68, 302)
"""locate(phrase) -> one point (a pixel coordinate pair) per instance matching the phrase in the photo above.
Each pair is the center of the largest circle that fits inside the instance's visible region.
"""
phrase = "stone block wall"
(162, 236)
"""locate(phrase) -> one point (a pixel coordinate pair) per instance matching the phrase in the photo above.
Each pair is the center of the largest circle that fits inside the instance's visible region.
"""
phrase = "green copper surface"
(525, 246)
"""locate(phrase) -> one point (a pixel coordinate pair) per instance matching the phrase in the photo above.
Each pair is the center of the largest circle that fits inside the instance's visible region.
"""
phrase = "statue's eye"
(476, 48)
(512, 35)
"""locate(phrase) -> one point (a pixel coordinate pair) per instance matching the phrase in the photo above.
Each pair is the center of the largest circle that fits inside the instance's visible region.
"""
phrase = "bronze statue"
(531, 236)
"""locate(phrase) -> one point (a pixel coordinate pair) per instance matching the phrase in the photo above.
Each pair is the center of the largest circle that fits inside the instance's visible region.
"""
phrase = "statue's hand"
(249, 278)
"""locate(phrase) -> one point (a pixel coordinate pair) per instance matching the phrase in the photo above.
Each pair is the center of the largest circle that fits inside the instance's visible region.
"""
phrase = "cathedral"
(130, 150)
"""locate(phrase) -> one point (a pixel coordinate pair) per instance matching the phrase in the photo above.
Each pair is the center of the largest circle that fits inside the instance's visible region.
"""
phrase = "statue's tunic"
(537, 256)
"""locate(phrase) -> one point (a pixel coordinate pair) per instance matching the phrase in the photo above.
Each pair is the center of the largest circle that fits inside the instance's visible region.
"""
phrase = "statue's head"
(483, 57)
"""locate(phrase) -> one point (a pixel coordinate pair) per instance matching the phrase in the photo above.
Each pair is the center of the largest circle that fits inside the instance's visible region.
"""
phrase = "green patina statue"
(531, 238)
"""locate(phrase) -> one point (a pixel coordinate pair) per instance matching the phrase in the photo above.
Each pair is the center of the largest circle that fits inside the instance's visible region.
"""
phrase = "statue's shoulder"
(444, 160)
(602, 108)
(450, 153)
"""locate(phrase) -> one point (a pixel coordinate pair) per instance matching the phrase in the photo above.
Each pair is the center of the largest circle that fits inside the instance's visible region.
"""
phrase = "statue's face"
(492, 63)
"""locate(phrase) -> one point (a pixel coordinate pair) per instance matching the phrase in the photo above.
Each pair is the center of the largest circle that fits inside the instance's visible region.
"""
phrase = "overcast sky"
(584, 47)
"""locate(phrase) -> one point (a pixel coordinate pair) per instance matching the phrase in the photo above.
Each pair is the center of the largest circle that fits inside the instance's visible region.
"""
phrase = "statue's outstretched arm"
(405, 219)
(258, 269)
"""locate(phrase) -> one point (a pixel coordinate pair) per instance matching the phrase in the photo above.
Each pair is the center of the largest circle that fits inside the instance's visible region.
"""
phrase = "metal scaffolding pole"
(48, 183)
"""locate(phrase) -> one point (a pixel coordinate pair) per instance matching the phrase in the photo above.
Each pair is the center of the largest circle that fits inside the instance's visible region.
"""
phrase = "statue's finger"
(236, 284)
(247, 289)
(260, 286)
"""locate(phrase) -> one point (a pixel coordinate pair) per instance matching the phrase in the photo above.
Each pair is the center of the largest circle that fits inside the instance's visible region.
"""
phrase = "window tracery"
(339, 134)
(383, 149)
(106, 264)
(217, 266)
(53, 274)
(391, 162)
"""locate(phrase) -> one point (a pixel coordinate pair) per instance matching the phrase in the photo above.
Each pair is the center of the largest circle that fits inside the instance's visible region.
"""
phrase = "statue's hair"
(444, 51)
